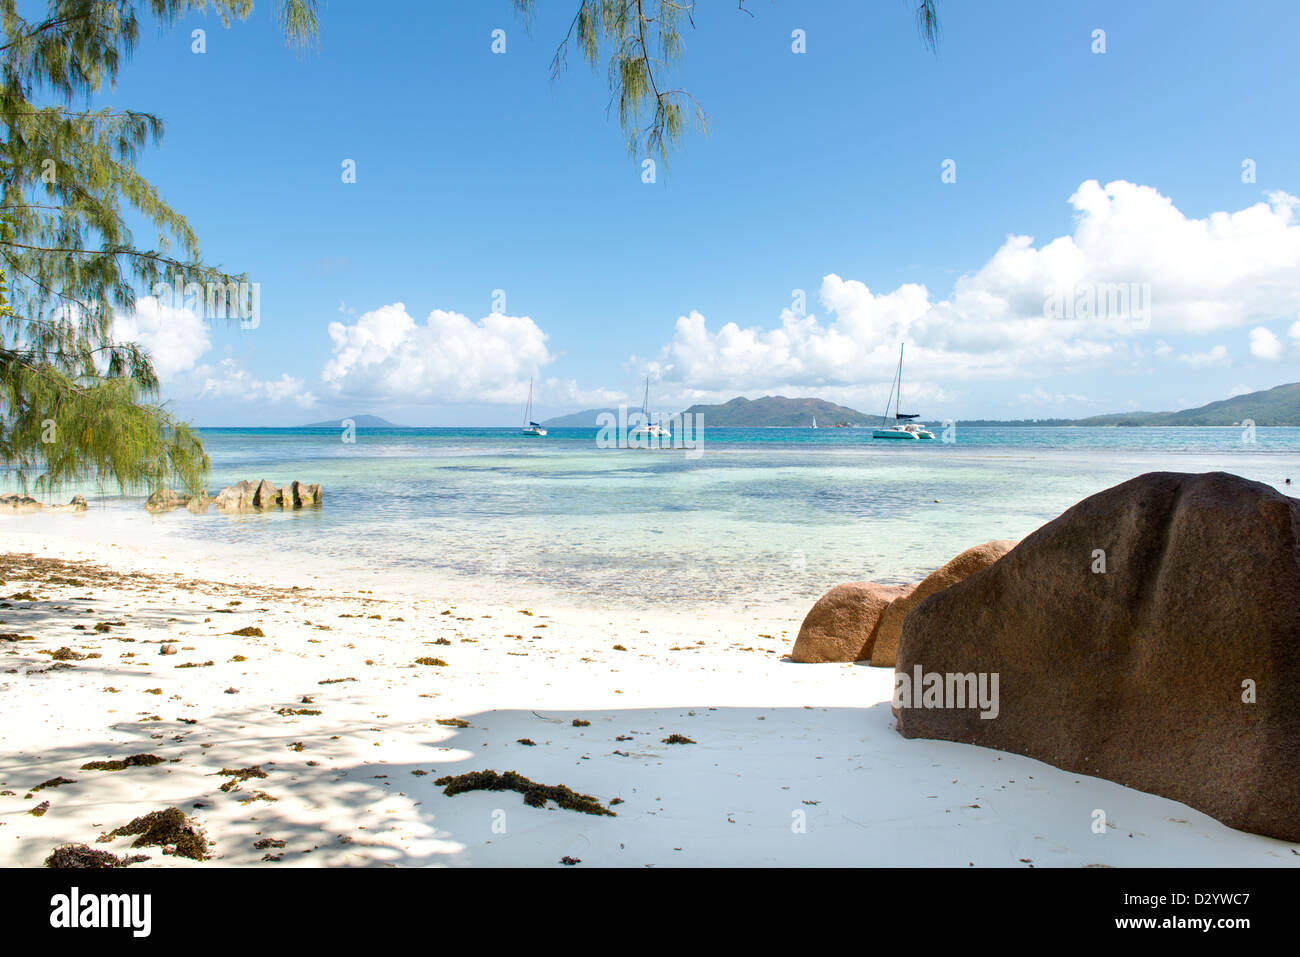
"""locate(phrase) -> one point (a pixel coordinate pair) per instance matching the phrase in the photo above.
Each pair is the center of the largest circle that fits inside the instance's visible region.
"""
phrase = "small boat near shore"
(903, 428)
(531, 427)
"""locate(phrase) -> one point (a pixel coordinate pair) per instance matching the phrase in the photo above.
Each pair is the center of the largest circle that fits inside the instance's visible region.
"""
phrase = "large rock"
(1174, 667)
(885, 652)
(239, 495)
(842, 625)
(263, 494)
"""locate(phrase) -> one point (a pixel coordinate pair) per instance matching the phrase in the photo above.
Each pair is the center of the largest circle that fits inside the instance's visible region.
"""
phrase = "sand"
(791, 765)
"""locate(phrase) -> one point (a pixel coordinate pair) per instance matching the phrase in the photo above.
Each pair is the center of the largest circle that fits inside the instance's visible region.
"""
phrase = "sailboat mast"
(899, 407)
(528, 409)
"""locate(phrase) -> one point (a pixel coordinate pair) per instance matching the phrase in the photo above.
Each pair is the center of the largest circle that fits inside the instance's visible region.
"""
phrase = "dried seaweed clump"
(431, 661)
(79, 855)
(677, 739)
(453, 722)
(170, 829)
(535, 795)
(52, 783)
(579, 723)
(252, 631)
(134, 761)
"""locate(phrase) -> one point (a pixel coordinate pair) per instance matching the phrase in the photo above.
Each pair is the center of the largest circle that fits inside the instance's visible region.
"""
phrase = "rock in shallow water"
(1150, 635)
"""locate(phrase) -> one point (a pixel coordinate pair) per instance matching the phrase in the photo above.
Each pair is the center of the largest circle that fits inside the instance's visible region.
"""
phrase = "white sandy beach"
(792, 765)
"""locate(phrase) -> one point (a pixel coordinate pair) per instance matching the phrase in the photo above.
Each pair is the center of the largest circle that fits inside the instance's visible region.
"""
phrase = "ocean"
(760, 517)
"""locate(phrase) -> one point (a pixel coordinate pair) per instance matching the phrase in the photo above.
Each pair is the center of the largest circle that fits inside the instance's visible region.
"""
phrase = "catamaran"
(650, 429)
(903, 427)
(531, 427)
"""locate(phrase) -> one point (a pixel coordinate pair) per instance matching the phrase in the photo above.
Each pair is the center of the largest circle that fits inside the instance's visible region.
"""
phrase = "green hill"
(1277, 406)
(778, 411)
(578, 420)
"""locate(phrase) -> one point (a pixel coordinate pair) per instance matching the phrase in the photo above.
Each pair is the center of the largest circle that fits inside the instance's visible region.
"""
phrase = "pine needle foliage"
(641, 43)
(75, 404)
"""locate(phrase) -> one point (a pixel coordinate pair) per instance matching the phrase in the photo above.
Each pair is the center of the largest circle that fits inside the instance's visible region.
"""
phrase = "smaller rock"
(20, 503)
(77, 504)
(842, 625)
(266, 496)
(169, 650)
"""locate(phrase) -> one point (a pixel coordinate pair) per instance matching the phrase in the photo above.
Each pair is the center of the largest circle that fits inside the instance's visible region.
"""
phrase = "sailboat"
(903, 427)
(531, 427)
(814, 422)
(650, 429)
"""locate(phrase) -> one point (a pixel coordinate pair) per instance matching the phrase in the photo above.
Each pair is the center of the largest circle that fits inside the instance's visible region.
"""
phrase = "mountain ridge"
(1275, 407)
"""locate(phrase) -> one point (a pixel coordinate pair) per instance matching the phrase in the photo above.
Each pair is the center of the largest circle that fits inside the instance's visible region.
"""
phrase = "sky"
(1052, 230)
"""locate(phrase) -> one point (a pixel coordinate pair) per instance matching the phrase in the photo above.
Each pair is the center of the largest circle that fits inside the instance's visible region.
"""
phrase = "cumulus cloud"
(450, 358)
(1267, 345)
(1134, 266)
(227, 380)
(1217, 356)
(1040, 395)
(175, 338)
(1264, 344)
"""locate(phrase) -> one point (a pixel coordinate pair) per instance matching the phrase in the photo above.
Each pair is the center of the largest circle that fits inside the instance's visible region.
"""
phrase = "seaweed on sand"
(535, 795)
(170, 829)
(79, 855)
(134, 761)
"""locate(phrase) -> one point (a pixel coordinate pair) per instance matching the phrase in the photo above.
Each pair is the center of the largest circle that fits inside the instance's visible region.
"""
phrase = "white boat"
(903, 428)
(814, 421)
(531, 427)
(650, 429)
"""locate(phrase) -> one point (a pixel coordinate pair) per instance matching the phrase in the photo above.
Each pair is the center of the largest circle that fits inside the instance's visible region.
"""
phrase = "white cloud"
(1267, 345)
(226, 380)
(1180, 276)
(566, 393)
(450, 358)
(1264, 344)
(174, 338)
(1217, 356)
(1039, 396)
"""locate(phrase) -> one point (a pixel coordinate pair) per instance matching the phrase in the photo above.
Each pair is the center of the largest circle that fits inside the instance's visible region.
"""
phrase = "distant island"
(776, 411)
(585, 419)
(771, 411)
(361, 422)
(1279, 406)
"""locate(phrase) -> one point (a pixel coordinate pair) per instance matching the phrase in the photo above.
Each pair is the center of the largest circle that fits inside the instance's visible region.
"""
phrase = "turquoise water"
(762, 516)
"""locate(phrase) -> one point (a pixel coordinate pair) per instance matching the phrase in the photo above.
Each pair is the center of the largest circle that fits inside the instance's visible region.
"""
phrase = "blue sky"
(821, 172)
